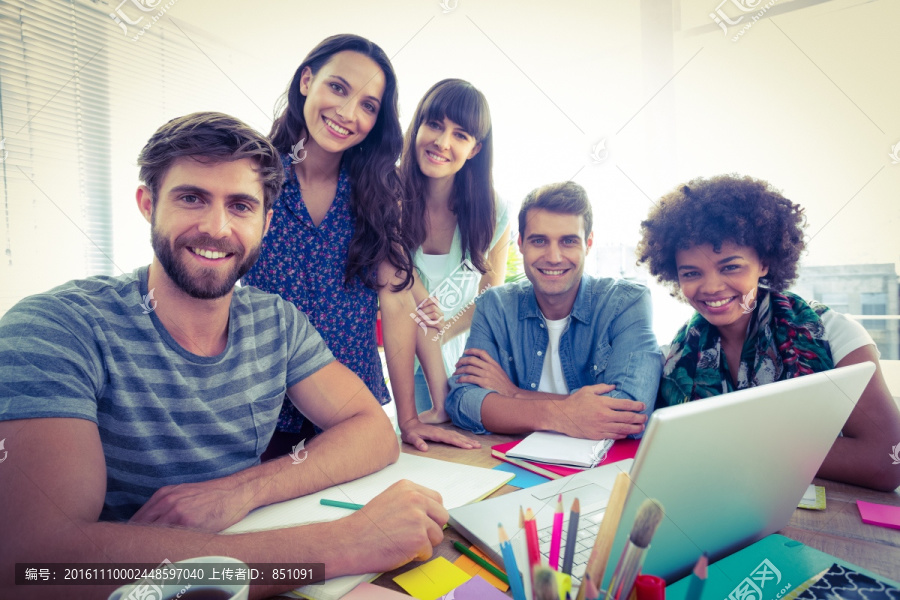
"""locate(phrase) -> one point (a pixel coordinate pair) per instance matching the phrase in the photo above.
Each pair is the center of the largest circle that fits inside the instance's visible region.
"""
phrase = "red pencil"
(531, 536)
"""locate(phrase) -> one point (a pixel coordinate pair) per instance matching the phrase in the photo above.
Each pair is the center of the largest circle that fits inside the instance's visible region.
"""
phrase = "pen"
(482, 563)
(569, 557)
(556, 535)
(339, 504)
(509, 562)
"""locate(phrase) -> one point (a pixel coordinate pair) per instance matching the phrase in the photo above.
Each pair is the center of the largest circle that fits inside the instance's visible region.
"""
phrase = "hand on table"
(476, 366)
(415, 432)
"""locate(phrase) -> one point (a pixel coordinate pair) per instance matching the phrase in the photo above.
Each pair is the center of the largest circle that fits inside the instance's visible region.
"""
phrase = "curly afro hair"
(742, 210)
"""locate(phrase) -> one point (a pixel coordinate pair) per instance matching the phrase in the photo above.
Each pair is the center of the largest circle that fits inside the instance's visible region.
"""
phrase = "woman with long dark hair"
(337, 221)
(453, 221)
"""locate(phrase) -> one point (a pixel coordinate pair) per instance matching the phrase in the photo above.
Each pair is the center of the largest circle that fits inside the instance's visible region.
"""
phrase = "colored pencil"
(531, 536)
(596, 565)
(482, 563)
(569, 557)
(556, 535)
(339, 504)
(509, 563)
(698, 578)
(649, 515)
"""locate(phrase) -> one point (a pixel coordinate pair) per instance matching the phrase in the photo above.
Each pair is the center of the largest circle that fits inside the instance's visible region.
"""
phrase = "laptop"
(729, 470)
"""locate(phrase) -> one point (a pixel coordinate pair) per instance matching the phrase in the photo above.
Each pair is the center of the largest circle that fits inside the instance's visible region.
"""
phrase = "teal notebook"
(771, 568)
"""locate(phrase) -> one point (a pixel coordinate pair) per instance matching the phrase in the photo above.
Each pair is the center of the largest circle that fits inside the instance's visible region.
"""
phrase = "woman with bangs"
(730, 247)
(454, 223)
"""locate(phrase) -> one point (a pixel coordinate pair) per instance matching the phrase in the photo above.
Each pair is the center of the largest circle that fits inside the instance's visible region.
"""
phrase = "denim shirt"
(609, 340)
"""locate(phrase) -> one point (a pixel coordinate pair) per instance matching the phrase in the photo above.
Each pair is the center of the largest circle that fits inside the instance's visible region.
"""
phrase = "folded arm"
(484, 398)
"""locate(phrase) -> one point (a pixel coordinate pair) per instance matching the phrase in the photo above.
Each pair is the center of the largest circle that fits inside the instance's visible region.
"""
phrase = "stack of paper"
(458, 485)
(559, 449)
(620, 450)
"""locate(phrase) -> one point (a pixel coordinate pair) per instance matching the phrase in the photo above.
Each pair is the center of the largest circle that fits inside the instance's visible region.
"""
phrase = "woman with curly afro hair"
(729, 246)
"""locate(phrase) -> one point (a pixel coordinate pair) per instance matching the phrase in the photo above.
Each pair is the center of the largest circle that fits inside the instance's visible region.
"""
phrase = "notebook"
(560, 449)
(458, 485)
(620, 450)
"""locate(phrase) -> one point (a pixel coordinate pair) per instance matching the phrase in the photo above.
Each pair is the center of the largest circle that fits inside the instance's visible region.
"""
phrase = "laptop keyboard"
(588, 526)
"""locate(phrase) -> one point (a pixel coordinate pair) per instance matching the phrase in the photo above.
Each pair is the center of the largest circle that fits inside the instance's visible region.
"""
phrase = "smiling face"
(443, 147)
(342, 100)
(207, 224)
(716, 284)
(553, 250)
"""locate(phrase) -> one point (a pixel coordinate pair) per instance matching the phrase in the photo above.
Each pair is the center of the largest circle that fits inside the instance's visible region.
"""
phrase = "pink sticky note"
(879, 514)
(478, 589)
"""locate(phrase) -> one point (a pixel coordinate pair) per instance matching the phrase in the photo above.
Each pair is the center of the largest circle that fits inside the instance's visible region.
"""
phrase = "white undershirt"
(553, 380)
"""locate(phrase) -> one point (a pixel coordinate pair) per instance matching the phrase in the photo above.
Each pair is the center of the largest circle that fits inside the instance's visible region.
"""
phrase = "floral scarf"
(785, 339)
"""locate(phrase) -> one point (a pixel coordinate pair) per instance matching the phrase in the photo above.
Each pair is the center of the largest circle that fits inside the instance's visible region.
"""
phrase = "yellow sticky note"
(472, 568)
(433, 579)
(814, 498)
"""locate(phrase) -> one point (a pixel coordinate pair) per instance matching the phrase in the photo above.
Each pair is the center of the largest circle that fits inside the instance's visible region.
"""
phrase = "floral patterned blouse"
(305, 265)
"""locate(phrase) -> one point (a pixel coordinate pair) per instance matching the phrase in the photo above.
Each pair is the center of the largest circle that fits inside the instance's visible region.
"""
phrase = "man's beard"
(207, 285)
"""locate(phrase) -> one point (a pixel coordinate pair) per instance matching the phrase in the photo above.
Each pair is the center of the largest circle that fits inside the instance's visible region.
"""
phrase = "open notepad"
(458, 485)
(559, 449)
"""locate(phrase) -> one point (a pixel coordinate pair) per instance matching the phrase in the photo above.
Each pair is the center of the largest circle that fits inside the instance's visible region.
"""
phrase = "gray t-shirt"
(90, 349)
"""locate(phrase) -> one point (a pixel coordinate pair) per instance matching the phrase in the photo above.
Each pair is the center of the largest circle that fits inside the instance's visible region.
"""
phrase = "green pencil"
(482, 563)
(339, 504)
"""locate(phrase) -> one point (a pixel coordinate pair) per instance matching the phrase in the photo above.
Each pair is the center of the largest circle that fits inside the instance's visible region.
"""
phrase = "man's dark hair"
(567, 198)
(210, 137)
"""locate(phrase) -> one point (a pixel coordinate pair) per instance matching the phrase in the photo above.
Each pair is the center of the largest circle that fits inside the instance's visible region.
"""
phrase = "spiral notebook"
(560, 449)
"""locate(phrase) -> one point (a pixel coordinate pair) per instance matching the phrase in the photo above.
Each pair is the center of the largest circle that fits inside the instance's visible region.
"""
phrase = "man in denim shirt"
(562, 351)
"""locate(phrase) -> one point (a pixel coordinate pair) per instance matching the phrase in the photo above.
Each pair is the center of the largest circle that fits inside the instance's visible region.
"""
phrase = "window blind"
(83, 85)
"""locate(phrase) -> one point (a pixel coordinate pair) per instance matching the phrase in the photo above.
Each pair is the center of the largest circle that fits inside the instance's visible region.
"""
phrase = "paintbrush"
(649, 516)
(545, 587)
